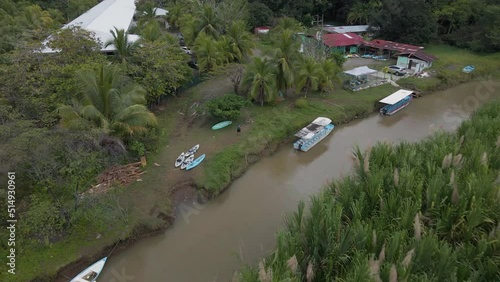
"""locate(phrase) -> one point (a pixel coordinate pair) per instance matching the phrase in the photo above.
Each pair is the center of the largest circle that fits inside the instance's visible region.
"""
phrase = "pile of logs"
(118, 175)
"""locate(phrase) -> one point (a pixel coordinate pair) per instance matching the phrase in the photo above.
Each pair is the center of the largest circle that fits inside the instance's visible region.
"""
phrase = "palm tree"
(208, 52)
(308, 75)
(147, 13)
(286, 50)
(287, 23)
(36, 20)
(328, 75)
(261, 78)
(225, 47)
(207, 21)
(174, 16)
(361, 12)
(151, 31)
(108, 104)
(241, 40)
(124, 47)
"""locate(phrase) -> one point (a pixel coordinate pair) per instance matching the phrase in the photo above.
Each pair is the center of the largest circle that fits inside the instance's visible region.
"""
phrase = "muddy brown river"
(210, 242)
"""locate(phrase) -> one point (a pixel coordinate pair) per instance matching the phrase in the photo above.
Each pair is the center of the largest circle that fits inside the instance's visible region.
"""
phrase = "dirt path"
(164, 187)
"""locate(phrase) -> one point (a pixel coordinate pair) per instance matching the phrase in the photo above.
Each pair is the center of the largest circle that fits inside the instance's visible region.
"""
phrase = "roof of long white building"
(104, 17)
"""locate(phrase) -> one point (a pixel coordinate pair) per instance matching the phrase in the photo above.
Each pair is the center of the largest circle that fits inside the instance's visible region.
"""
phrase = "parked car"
(193, 65)
(397, 70)
(181, 42)
(187, 50)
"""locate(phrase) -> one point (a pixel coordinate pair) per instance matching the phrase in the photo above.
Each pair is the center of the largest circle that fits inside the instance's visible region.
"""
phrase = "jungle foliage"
(473, 24)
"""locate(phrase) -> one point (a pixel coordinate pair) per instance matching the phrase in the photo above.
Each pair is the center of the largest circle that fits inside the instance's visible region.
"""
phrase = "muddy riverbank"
(239, 226)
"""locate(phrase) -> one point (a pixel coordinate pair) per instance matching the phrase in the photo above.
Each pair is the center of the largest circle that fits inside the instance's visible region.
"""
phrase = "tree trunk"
(261, 97)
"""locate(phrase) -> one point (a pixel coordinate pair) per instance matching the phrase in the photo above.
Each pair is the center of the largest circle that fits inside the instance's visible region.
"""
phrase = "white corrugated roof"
(345, 29)
(104, 17)
(313, 128)
(360, 71)
(396, 97)
(322, 121)
(160, 12)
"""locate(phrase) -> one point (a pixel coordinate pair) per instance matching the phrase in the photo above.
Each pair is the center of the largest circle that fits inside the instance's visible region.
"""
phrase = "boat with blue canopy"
(396, 102)
(313, 133)
(468, 69)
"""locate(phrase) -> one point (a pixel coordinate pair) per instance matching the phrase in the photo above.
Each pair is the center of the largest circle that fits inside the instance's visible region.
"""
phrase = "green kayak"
(221, 124)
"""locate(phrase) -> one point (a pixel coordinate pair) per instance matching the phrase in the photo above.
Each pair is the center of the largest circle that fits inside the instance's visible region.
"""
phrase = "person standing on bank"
(238, 128)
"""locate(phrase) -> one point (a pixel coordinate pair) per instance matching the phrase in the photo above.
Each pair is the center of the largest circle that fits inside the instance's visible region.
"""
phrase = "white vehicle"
(397, 70)
(187, 50)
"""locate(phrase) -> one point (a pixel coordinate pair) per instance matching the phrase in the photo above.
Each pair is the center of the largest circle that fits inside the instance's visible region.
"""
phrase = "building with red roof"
(409, 56)
(343, 42)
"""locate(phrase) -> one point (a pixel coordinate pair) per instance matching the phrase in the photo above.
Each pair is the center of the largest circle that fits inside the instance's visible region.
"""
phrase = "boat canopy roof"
(396, 97)
(309, 131)
(364, 70)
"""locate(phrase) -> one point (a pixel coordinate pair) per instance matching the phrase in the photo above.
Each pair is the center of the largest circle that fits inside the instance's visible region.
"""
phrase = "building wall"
(345, 49)
(417, 65)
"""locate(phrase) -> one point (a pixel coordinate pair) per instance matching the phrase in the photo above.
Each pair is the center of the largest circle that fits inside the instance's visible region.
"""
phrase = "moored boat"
(196, 162)
(187, 161)
(179, 160)
(313, 133)
(396, 102)
(192, 150)
(222, 125)
(90, 273)
(468, 69)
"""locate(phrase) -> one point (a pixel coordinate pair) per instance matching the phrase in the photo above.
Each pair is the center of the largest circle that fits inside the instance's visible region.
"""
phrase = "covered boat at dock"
(313, 133)
(396, 101)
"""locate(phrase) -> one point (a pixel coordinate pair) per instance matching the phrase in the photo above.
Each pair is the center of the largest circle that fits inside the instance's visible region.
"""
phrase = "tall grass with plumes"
(428, 211)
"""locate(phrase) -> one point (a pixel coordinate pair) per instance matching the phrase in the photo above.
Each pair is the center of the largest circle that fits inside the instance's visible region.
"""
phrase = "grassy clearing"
(413, 212)
(273, 125)
(448, 68)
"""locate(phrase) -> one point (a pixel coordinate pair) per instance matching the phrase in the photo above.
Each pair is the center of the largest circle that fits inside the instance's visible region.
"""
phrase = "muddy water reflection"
(213, 240)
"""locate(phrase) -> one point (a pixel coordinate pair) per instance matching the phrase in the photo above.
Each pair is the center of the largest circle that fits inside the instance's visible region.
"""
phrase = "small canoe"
(192, 150)
(187, 161)
(179, 160)
(221, 125)
(468, 69)
(196, 162)
(90, 273)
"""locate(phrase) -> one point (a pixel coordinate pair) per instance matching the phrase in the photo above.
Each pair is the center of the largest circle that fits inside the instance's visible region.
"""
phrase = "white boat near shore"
(313, 133)
(90, 273)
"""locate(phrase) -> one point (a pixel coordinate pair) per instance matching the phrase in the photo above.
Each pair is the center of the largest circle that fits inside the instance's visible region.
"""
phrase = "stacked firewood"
(117, 175)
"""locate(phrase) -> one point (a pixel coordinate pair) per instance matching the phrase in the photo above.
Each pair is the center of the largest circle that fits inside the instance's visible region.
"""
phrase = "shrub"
(301, 103)
(227, 107)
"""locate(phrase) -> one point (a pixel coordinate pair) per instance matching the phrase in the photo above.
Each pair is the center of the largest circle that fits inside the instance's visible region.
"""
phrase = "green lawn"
(447, 70)
(276, 124)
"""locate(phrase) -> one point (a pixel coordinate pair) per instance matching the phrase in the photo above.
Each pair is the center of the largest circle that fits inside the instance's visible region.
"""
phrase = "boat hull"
(222, 125)
(91, 273)
(389, 111)
(196, 162)
(306, 144)
(468, 69)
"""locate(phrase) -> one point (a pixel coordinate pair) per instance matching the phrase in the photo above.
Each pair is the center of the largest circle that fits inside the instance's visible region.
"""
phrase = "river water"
(211, 242)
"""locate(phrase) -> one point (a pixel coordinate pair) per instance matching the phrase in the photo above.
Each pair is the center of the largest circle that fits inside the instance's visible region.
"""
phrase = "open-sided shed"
(360, 78)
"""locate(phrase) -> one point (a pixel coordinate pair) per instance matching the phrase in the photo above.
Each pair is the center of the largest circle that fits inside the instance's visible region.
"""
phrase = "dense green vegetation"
(66, 117)
(415, 212)
(470, 24)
